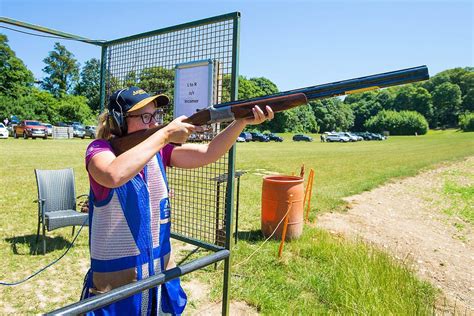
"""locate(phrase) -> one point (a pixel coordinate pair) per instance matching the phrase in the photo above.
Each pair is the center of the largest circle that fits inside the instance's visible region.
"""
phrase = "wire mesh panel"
(148, 60)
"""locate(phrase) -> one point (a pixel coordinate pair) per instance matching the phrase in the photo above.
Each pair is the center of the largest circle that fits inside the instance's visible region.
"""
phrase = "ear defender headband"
(117, 121)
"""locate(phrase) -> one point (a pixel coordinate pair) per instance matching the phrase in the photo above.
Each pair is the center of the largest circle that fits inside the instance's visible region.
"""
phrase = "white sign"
(193, 87)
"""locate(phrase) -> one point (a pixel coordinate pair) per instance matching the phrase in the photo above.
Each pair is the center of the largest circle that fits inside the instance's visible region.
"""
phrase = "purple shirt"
(100, 145)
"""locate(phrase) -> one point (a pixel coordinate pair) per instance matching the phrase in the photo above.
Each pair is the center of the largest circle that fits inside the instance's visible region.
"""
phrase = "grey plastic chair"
(57, 202)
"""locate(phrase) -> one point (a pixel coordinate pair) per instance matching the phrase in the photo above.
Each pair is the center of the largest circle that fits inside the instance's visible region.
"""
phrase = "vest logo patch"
(165, 208)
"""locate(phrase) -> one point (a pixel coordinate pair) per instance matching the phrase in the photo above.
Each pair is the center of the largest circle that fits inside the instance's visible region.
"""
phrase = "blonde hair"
(103, 127)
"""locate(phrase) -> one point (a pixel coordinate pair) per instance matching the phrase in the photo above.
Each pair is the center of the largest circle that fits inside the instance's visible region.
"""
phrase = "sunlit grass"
(318, 273)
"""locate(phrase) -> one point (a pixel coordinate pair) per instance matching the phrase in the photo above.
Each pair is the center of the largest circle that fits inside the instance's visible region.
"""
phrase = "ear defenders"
(116, 119)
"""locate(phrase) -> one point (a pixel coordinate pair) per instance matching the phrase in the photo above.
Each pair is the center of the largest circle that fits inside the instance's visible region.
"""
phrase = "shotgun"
(229, 111)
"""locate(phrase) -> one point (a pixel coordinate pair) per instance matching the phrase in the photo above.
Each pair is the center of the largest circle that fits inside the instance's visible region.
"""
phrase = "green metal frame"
(229, 205)
(229, 200)
(50, 31)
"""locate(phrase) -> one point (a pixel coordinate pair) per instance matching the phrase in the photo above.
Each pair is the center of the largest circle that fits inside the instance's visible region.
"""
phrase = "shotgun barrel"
(228, 111)
(350, 86)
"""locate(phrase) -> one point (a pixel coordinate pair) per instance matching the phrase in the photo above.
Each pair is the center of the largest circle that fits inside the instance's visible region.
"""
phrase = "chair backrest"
(56, 188)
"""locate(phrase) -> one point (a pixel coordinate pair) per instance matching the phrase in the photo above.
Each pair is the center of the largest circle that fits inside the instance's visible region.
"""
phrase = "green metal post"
(103, 78)
(231, 171)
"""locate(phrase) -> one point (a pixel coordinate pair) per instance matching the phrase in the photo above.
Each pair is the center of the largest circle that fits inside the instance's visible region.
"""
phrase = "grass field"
(318, 273)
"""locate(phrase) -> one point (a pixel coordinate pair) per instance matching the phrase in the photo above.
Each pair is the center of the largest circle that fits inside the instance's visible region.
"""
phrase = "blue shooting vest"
(129, 240)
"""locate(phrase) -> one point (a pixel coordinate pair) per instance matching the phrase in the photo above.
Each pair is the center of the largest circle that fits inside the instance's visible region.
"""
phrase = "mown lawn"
(318, 273)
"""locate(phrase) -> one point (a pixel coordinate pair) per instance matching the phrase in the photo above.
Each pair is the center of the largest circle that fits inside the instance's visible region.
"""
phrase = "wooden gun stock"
(204, 117)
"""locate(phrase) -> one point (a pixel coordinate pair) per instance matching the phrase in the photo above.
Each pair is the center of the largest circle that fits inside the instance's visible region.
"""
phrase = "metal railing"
(125, 291)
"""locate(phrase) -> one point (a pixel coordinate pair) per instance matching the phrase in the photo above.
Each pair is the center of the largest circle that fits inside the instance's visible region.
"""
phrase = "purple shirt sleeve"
(97, 146)
(165, 153)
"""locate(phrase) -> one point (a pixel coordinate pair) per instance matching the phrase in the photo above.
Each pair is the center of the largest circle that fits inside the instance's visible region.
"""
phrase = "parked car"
(368, 136)
(78, 131)
(303, 138)
(259, 137)
(14, 120)
(78, 124)
(90, 131)
(3, 131)
(30, 128)
(247, 136)
(49, 128)
(274, 137)
(10, 127)
(377, 136)
(337, 138)
(240, 139)
(352, 137)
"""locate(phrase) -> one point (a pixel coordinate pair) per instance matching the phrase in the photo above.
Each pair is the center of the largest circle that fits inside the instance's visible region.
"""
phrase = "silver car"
(352, 137)
(49, 127)
(337, 138)
(90, 131)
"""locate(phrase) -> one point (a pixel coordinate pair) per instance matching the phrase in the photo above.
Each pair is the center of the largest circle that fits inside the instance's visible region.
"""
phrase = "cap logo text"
(138, 92)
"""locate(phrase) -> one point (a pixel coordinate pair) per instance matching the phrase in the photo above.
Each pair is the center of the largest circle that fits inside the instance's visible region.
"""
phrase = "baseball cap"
(134, 98)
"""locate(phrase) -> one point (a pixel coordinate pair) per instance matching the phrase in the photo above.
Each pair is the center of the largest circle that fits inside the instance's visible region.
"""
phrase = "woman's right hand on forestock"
(178, 131)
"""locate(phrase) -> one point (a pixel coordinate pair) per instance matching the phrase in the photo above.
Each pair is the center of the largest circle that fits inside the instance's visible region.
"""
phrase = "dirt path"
(408, 218)
(199, 302)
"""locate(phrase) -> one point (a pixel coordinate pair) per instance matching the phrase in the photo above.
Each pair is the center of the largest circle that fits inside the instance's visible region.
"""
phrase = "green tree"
(362, 111)
(75, 108)
(468, 101)
(402, 100)
(258, 87)
(267, 86)
(249, 89)
(332, 115)
(466, 122)
(457, 76)
(156, 80)
(385, 98)
(447, 104)
(435, 81)
(38, 105)
(89, 84)
(466, 82)
(413, 98)
(62, 70)
(365, 96)
(16, 80)
(467, 88)
(422, 102)
(398, 123)
(297, 120)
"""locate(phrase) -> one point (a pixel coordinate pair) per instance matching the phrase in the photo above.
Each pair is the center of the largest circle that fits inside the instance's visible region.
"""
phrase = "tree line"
(69, 92)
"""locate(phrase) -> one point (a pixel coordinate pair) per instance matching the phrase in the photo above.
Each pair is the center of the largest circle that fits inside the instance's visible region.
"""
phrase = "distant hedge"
(398, 123)
(466, 122)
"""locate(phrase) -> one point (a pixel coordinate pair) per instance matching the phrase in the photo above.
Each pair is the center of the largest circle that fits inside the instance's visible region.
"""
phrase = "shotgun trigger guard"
(223, 114)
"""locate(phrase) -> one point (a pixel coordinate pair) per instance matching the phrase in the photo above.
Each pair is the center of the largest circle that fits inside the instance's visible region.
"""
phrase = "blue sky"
(293, 43)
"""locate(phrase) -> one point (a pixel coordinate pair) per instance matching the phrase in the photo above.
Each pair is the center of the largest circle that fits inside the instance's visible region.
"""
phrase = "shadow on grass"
(251, 236)
(19, 243)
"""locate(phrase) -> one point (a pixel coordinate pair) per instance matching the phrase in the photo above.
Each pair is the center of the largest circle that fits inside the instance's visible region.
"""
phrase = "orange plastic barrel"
(278, 193)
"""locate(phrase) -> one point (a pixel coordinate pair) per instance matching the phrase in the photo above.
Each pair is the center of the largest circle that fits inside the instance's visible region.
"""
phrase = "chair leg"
(37, 237)
(73, 227)
(44, 240)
